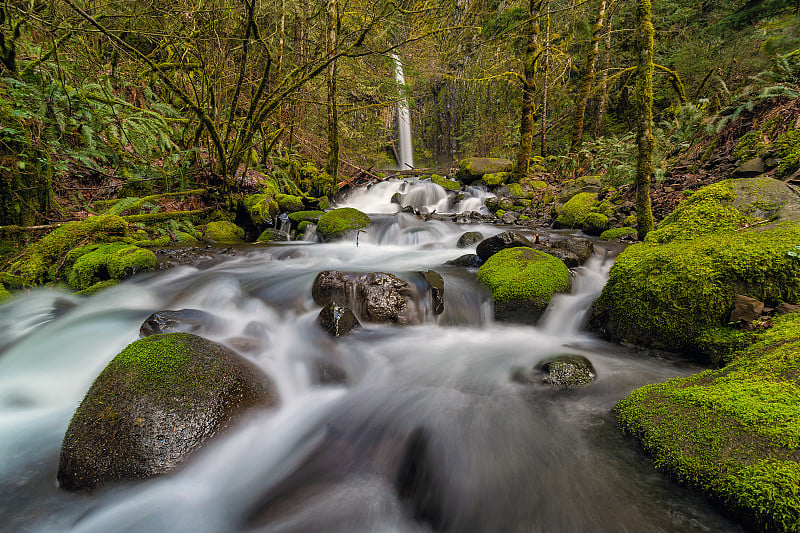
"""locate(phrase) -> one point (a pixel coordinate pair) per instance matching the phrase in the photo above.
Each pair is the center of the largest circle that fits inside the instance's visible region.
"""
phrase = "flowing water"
(405, 155)
(429, 433)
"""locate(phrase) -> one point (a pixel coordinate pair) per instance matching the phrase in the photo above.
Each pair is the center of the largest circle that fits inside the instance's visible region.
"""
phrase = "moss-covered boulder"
(474, 168)
(508, 239)
(522, 281)
(595, 223)
(618, 233)
(222, 231)
(305, 216)
(335, 224)
(496, 179)
(734, 433)
(42, 261)
(96, 263)
(258, 210)
(156, 402)
(272, 235)
(683, 281)
(4, 294)
(289, 203)
(573, 214)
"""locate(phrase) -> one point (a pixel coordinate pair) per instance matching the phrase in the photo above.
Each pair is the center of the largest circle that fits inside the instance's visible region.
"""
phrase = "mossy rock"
(272, 235)
(157, 402)
(260, 209)
(335, 224)
(316, 183)
(223, 231)
(40, 262)
(522, 281)
(305, 216)
(496, 179)
(733, 434)
(595, 223)
(445, 183)
(106, 262)
(667, 292)
(288, 203)
(473, 168)
(4, 294)
(157, 242)
(184, 237)
(573, 213)
(617, 233)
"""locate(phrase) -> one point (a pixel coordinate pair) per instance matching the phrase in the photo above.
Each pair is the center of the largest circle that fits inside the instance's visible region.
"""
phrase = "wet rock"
(466, 261)
(469, 239)
(336, 320)
(784, 308)
(181, 320)
(570, 259)
(582, 248)
(567, 371)
(436, 288)
(509, 239)
(746, 309)
(373, 297)
(272, 235)
(473, 168)
(330, 373)
(157, 402)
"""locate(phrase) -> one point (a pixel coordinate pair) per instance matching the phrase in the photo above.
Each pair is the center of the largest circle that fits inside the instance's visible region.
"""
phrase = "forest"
(403, 265)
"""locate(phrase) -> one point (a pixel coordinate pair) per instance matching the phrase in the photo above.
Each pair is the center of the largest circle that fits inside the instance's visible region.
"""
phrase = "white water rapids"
(428, 434)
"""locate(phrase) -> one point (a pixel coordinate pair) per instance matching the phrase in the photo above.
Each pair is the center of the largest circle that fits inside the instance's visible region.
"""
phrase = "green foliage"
(733, 433)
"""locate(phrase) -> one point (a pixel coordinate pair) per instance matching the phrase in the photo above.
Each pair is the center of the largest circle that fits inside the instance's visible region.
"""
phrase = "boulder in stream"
(473, 168)
(522, 281)
(508, 239)
(469, 238)
(157, 402)
(567, 371)
(181, 320)
(335, 224)
(336, 320)
(373, 297)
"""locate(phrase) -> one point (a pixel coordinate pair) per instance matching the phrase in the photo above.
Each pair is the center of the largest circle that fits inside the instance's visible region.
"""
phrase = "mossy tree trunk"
(644, 112)
(588, 78)
(533, 52)
(332, 167)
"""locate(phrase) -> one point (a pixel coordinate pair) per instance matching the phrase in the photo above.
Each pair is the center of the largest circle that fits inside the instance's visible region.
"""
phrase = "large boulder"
(94, 265)
(156, 402)
(732, 433)
(731, 238)
(508, 239)
(223, 231)
(335, 224)
(522, 281)
(473, 168)
(373, 297)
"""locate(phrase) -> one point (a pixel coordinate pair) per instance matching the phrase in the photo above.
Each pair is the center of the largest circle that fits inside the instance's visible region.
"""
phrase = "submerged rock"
(336, 320)
(157, 402)
(469, 238)
(522, 281)
(179, 321)
(466, 261)
(373, 297)
(567, 371)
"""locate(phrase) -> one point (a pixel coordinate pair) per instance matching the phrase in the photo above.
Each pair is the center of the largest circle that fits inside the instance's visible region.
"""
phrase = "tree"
(588, 77)
(533, 52)
(332, 167)
(643, 102)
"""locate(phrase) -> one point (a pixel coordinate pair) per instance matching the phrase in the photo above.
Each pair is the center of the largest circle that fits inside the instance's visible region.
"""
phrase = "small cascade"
(405, 149)
(284, 224)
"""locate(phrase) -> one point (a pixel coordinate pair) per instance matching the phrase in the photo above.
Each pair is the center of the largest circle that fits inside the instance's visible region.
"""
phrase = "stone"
(746, 309)
(469, 238)
(508, 239)
(785, 308)
(436, 289)
(158, 401)
(272, 235)
(373, 297)
(473, 168)
(337, 223)
(750, 169)
(466, 261)
(568, 371)
(179, 321)
(337, 321)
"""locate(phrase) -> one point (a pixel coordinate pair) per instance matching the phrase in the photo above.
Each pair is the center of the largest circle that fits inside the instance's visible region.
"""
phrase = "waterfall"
(405, 151)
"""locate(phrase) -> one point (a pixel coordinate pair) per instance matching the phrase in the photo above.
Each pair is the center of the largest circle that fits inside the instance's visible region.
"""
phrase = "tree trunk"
(332, 168)
(588, 78)
(531, 64)
(644, 113)
(545, 88)
(601, 107)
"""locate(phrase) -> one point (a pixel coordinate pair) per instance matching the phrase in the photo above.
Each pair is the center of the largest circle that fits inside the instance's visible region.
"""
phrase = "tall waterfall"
(405, 151)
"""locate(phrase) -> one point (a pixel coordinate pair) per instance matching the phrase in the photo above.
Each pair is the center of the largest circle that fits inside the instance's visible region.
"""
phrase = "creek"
(429, 433)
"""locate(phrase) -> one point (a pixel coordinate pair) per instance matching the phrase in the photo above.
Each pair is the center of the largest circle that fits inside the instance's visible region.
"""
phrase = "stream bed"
(427, 433)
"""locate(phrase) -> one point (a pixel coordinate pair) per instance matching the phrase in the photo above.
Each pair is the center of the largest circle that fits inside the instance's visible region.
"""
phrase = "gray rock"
(469, 238)
(337, 321)
(179, 321)
(436, 289)
(466, 261)
(509, 239)
(750, 169)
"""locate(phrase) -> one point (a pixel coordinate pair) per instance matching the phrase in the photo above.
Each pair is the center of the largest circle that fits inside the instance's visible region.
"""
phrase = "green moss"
(288, 203)
(574, 212)
(515, 191)
(499, 213)
(136, 187)
(41, 262)
(97, 287)
(496, 178)
(450, 185)
(336, 223)
(314, 182)
(595, 223)
(261, 208)
(524, 274)
(722, 342)
(186, 238)
(616, 233)
(749, 146)
(163, 240)
(733, 433)
(4, 294)
(788, 146)
(305, 216)
(223, 231)
(303, 225)
(103, 262)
